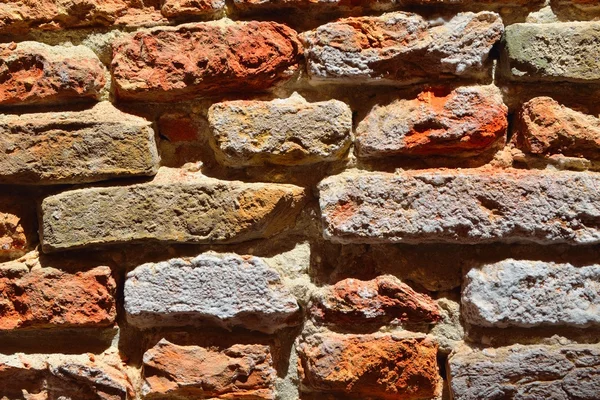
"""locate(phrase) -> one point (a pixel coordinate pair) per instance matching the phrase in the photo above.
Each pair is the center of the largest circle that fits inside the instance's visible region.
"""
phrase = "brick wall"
(299, 199)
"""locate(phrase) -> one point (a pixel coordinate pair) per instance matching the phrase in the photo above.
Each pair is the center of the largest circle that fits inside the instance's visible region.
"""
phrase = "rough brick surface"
(344, 5)
(545, 128)
(356, 366)
(283, 131)
(238, 372)
(526, 372)
(178, 127)
(378, 301)
(62, 376)
(466, 121)
(467, 206)
(166, 64)
(35, 73)
(178, 8)
(576, 9)
(473, 2)
(380, 5)
(552, 52)
(176, 207)
(17, 226)
(19, 16)
(227, 290)
(532, 293)
(400, 48)
(301, 199)
(51, 297)
(74, 147)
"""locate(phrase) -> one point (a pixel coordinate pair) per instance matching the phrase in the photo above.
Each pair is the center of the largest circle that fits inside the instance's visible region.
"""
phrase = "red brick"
(356, 366)
(35, 73)
(17, 226)
(179, 8)
(178, 127)
(63, 376)
(167, 64)
(545, 128)
(474, 2)
(401, 48)
(49, 297)
(238, 372)
(381, 300)
(347, 5)
(17, 16)
(465, 121)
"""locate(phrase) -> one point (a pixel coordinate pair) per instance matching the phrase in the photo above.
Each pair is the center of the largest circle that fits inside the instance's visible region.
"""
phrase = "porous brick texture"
(299, 199)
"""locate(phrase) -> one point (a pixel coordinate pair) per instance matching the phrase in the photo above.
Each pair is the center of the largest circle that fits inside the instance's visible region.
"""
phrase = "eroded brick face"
(167, 64)
(533, 53)
(34, 73)
(464, 122)
(96, 144)
(299, 199)
(381, 366)
(569, 371)
(461, 207)
(176, 207)
(48, 297)
(238, 372)
(21, 16)
(531, 293)
(400, 48)
(380, 300)
(224, 290)
(547, 128)
(180, 8)
(17, 226)
(299, 132)
(253, 7)
(79, 376)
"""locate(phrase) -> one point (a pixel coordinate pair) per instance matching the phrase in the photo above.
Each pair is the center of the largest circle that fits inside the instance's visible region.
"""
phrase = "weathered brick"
(380, 5)
(283, 131)
(502, 3)
(18, 231)
(552, 52)
(63, 376)
(35, 73)
(19, 16)
(337, 5)
(531, 293)
(180, 8)
(576, 9)
(465, 206)
(176, 207)
(178, 127)
(46, 297)
(224, 289)
(174, 63)
(384, 367)
(545, 128)
(466, 121)
(378, 301)
(238, 372)
(401, 48)
(526, 372)
(74, 147)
